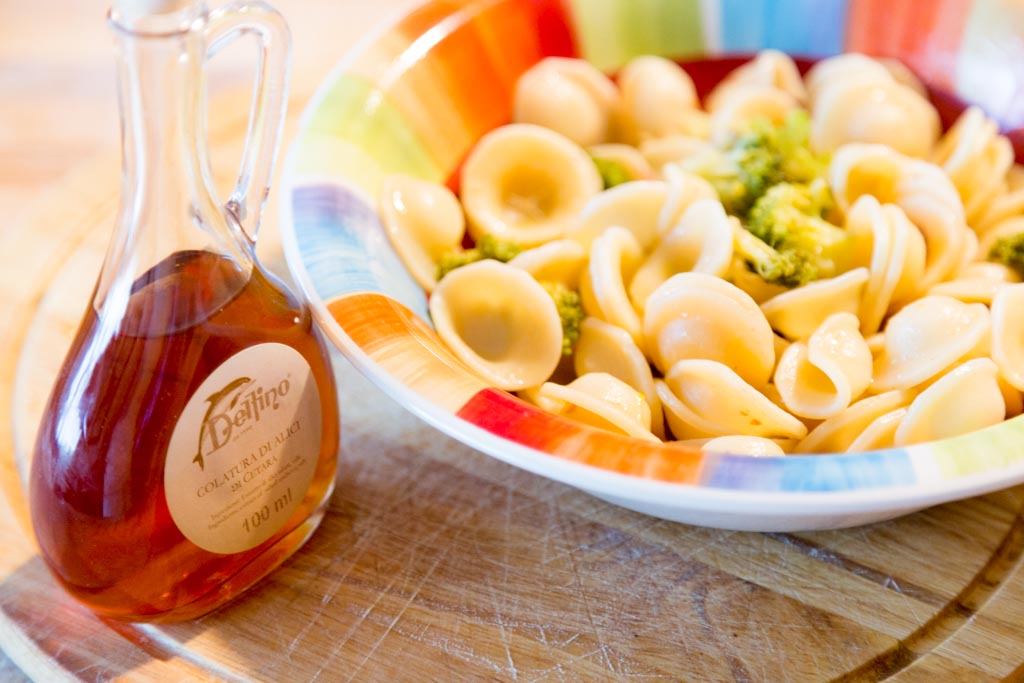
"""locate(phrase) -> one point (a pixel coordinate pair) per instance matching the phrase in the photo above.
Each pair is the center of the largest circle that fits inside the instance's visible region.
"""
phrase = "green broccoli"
(456, 259)
(764, 155)
(489, 247)
(787, 268)
(739, 175)
(790, 143)
(1009, 251)
(789, 218)
(570, 310)
(612, 172)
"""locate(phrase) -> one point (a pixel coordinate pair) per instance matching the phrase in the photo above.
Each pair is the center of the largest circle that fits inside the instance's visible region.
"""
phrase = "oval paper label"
(244, 450)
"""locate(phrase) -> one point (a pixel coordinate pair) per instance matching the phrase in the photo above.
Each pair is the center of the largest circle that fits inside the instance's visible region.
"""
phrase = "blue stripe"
(877, 469)
(344, 249)
(810, 28)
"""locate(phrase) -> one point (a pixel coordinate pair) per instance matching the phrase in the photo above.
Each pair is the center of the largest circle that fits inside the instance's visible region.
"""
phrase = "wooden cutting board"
(438, 563)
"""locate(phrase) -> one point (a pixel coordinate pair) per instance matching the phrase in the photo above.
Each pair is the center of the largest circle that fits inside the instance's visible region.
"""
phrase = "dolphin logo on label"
(232, 391)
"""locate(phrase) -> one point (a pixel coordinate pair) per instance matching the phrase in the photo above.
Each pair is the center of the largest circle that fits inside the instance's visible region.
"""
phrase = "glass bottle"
(190, 442)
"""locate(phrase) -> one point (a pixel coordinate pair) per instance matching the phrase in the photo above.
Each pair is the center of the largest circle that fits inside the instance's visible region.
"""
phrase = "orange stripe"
(454, 82)
(475, 69)
(400, 342)
(454, 86)
(426, 16)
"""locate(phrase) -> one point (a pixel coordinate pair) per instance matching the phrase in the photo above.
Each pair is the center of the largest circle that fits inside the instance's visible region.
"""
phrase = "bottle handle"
(269, 100)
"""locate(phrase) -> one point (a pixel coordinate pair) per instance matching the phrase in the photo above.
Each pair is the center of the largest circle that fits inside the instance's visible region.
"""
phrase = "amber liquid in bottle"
(97, 487)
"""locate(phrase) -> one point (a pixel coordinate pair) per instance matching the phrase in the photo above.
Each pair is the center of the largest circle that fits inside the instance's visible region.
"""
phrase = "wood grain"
(438, 563)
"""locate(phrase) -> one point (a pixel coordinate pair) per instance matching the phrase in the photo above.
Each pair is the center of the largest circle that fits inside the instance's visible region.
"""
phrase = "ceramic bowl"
(415, 95)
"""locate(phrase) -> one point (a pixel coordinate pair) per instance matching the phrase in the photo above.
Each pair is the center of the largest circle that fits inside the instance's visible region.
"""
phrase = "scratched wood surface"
(438, 563)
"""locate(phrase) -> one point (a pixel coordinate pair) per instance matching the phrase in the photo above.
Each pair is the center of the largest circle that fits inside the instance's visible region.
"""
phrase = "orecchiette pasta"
(880, 433)
(543, 401)
(967, 398)
(699, 316)
(976, 282)
(568, 96)
(526, 184)
(672, 149)
(423, 221)
(683, 190)
(902, 75)
(626, 156)
(603, 401)
(894, 252)
(635, 206)
(931, 205)
(746, 102)
(614, 257)
(859, 169)
(500, 322)
(1003, 207)
(781, 344)
(926, 337)
(977, 159)
(706, 398)
(884, 112)
(796, 313)
(820, 378)
(921, 190)
(1008, 334)
(658, 99)
(701, 242)
(838, 433)
(559, 261)
(603, 347)
(743, 445)
(1012, 397)
(804, 265)
(844, 69)
(969, 253)
(929, 201)
(771, 68)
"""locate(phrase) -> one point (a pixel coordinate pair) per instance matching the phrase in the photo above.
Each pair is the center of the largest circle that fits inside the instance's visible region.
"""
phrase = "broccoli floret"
(612, 172)
(570, 310)
(785, 268)
(788, 218)
(456, 259)
(790, 143)
(489, 247)
(1009, 251)
(739, 175)
(764, 155)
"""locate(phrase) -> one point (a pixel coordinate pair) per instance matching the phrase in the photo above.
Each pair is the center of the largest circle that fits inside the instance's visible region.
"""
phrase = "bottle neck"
(158, 79)
(168, 200)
